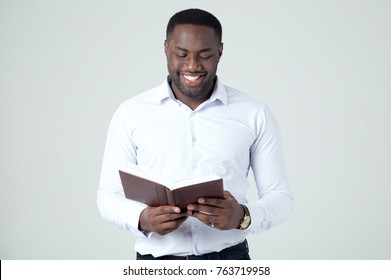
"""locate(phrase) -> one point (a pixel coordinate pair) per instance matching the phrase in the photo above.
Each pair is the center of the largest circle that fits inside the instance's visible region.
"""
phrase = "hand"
(162, 219)
(221, 213)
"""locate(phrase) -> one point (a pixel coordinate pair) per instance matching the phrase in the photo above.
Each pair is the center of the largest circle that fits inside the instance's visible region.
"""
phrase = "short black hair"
(195, 17)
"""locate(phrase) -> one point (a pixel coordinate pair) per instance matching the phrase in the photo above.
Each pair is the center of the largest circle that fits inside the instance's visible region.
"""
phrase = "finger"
(203, 209)
(167, 217)
(174, 223)
(170, 226)
(205, 213)
(209, 220)
(154, 219)
(168, 209)
(164, 213)
(217, 202)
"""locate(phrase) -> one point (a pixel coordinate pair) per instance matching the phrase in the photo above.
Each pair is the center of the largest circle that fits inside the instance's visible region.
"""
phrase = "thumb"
(228, 195)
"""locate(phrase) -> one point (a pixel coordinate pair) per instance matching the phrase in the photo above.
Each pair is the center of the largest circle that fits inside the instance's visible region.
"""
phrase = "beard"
(206, 86)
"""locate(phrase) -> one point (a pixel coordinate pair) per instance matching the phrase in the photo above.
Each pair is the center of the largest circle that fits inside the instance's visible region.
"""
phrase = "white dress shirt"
(226, 135)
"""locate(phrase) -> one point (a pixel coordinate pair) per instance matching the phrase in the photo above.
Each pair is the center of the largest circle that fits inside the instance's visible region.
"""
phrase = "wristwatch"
(246, 220)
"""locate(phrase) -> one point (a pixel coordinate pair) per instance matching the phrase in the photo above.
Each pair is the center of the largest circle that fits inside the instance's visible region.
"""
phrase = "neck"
(191, 101)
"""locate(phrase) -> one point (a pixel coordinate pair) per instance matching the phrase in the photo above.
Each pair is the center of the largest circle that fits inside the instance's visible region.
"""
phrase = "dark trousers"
(237, 252)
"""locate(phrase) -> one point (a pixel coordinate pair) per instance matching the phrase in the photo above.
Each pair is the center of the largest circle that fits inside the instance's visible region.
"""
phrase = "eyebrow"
(185, 50)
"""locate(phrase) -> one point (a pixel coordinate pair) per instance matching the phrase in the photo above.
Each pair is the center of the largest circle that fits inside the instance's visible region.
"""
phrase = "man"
(193, 125)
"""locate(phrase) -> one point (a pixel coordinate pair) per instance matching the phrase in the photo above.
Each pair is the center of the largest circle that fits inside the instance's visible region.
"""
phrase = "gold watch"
(246, 220)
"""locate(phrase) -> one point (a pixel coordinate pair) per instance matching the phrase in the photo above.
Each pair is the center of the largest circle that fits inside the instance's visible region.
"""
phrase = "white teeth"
(191, 78)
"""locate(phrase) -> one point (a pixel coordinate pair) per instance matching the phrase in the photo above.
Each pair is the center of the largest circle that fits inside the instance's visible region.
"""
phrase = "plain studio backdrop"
(323, 67)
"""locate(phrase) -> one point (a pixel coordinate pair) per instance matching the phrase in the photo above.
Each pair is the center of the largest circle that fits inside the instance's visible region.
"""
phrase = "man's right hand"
(162, 219)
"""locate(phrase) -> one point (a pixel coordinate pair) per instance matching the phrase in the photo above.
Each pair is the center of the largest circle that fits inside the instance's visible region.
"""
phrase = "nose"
(192, 63)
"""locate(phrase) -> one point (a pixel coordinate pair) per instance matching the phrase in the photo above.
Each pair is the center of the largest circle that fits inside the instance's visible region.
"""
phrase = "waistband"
(239, 251)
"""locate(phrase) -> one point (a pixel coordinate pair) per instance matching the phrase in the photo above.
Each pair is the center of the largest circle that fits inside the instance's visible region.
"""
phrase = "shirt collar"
(165, 92)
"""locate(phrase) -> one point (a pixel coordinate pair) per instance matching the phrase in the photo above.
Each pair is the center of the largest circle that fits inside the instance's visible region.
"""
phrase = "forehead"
(196, 36)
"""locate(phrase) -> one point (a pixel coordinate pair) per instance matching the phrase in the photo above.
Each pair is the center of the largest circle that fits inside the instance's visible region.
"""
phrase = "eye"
(205, 55)
(181, 55)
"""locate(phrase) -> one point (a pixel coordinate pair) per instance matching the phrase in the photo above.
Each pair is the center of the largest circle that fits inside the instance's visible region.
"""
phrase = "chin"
(192, 92)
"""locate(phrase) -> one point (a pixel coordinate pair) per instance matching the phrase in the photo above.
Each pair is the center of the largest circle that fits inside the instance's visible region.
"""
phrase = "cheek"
(211, 67)
(173, 64)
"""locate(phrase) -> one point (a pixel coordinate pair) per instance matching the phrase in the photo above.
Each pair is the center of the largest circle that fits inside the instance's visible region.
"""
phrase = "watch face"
(245, 222)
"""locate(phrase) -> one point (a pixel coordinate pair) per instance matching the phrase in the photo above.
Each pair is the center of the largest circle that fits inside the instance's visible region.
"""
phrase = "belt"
(239, 251)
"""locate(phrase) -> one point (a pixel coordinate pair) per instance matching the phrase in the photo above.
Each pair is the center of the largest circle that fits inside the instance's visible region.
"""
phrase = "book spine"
(161, 194)
(170, 197)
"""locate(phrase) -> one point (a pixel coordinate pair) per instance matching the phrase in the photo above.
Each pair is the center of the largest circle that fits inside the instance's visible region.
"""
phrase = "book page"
(144, 173)
(193, 181)
(147, 174)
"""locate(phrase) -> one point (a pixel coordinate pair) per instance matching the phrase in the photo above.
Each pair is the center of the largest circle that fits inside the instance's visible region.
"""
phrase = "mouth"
(192, 80)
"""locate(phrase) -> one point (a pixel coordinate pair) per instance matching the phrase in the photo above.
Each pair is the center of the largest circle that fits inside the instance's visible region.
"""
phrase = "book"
(145, 187)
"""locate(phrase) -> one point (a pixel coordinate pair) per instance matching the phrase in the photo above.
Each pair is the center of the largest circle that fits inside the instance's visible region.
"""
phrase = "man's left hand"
(218, 213)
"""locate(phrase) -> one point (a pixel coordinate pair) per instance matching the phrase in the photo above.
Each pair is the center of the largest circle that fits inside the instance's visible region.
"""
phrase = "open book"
(145, 187)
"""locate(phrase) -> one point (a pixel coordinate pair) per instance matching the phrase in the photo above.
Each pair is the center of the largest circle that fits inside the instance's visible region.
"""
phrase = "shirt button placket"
(194, 149)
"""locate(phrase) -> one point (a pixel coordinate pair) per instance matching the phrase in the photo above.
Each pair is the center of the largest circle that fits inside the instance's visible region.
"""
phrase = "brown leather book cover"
(184, 192)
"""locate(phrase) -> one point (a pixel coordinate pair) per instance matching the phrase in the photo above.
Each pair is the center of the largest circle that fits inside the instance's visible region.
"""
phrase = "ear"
(220, 50)
(165, 47)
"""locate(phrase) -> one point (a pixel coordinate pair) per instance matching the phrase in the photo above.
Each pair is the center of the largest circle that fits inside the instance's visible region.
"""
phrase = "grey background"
(323, 67)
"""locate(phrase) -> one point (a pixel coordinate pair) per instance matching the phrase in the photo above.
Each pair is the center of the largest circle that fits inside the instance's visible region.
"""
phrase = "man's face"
(193, 53)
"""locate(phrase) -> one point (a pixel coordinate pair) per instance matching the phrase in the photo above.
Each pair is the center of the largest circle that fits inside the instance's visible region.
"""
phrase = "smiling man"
(193, 125)
(193, 52)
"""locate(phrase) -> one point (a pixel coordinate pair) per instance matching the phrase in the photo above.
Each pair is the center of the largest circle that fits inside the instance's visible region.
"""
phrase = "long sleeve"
(275, 198)
(112, 204)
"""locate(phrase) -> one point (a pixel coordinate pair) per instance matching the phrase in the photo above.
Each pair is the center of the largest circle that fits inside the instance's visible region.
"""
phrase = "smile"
(192, 80)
